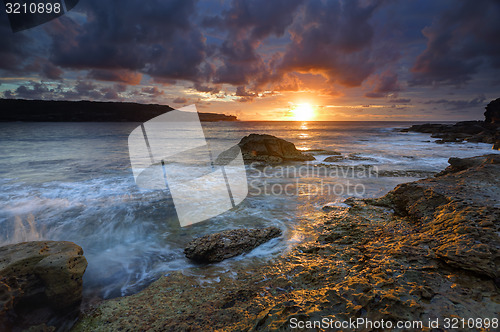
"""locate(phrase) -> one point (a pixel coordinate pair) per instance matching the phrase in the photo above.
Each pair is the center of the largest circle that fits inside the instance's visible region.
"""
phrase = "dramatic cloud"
(248, 23)
(334, 39)
(456, 105)
(386, 83)
(460, 41)
(259, 51)
(153, 37)
(120, 75)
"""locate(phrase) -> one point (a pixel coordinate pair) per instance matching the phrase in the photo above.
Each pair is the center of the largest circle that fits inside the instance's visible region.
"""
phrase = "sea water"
(73, 182)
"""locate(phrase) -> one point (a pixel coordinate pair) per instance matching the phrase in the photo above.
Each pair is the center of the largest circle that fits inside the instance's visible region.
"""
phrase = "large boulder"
(270, 149)
(217, 247)
(39, 281)
(492, 114)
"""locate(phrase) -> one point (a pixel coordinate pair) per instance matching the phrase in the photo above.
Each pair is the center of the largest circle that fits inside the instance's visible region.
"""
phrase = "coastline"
(88, 111)
(427, 250)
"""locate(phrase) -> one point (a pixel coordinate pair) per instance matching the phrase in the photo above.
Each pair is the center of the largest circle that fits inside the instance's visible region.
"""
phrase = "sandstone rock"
(40, 276)
(270, 149)
(448, 210)
(436, 257)
(219, 246)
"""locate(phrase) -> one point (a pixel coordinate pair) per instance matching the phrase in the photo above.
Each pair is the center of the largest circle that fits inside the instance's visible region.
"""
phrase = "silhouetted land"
(87, 111)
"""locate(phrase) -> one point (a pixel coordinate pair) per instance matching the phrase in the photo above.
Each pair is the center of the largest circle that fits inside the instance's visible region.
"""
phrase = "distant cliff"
(87, 111)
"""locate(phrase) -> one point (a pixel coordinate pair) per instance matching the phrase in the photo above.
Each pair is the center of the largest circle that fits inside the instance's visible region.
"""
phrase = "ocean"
(73, 182)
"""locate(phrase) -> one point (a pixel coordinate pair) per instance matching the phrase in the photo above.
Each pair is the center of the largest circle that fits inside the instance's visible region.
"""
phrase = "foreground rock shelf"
(40, 281)
(428, 249)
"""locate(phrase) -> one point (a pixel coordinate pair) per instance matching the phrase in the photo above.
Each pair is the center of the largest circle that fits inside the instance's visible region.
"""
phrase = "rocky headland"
(88, 111)
(427, 250)
(487, 131)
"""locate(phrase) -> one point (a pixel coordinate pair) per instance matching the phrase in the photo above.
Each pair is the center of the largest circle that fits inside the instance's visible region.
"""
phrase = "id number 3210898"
(33, 8)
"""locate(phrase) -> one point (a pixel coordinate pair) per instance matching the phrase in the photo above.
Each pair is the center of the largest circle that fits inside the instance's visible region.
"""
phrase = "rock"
(357, 157)
(459, 164)
(449, 210)
(41, 276)
(270, 149)
(333, 159)
(217, 247)
(492, 114)
(487, 131)
(435, 257)
(334, 206)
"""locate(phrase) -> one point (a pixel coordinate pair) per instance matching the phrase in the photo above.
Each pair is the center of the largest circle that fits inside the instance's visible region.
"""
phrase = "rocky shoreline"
(427, 250)
(487, 131)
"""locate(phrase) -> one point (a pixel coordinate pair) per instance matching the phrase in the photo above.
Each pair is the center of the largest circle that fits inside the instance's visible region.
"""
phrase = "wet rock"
(357, 157)
(315, 152)
(333, 159)
(217, 247)
(427, 250)
(334, 206)
(270, 149)
(40, 281)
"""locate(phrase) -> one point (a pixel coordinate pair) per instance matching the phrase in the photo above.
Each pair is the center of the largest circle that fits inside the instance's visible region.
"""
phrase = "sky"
(365, 60)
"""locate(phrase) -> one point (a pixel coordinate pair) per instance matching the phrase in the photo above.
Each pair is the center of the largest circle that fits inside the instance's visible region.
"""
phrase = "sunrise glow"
(303, 112)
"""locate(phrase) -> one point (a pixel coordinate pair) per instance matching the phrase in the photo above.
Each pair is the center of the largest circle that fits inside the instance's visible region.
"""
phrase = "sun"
(303, 112)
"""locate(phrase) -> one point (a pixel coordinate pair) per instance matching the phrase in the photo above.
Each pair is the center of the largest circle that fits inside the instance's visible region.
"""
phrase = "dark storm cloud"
(456, 105)
(244, 94)
(152, 91)
(248, 23)
(386, 83)
(123, 76)
(36, 91)
(83, 90)
(335, 39)
(51, 71)
(256, 46)
(461, 40)
(13, 47)
(212, 89)
(154, 37)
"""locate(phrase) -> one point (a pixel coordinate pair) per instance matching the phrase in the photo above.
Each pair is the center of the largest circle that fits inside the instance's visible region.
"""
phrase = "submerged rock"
(270, 149)
(39, 281)
(217, 247)
(333, 159)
